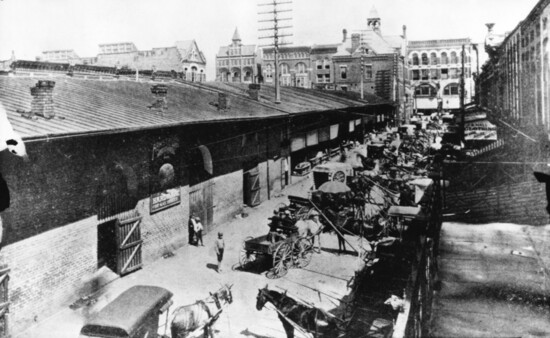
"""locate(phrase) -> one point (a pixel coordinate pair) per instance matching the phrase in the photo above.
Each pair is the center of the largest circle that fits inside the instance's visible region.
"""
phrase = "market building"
(237, 62)
(117, 166)
(514, 80)
(435, 72)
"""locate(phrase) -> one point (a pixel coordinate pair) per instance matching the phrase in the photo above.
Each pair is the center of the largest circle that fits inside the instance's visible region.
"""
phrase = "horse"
(189, 318)
(309, 319)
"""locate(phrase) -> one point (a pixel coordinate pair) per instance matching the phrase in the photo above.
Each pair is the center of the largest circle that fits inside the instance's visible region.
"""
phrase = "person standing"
(197, 225)
(219, 247)
(191, 229)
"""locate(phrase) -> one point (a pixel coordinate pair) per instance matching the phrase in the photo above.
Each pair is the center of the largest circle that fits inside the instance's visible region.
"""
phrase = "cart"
(133, 314)
(291, 252)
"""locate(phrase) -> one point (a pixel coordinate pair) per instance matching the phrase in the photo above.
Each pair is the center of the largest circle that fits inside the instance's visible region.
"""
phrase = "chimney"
(42, 99)
(223, 101)
(159, 92)
(405, 32)
(345, 34)
(254, 91)
(490, 27)
(355, 41)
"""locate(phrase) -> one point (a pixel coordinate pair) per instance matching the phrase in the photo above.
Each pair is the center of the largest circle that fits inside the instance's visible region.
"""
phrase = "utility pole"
(462, 110)
(277, 34)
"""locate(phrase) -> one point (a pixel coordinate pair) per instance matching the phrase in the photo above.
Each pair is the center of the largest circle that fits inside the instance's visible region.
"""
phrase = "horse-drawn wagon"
(282, 245)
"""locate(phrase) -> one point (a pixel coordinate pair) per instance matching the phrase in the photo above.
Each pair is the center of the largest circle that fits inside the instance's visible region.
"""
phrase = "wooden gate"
(119, 243)
(251, 188)
(4, 303)
(129, 244)
(201, 203)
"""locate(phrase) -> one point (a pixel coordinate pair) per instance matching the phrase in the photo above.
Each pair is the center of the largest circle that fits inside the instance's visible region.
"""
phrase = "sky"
(29, 27)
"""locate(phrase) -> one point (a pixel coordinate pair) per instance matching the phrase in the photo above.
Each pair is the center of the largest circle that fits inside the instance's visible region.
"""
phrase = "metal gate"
(251, 188)
(129, 244)
(201, 203)
(4, 303)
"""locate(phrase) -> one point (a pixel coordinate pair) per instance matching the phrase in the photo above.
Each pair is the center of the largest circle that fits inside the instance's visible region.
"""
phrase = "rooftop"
(91, 104)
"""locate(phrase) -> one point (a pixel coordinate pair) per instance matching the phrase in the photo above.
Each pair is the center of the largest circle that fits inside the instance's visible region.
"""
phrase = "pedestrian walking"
(220, 247)
(197, 226)
(191, 229)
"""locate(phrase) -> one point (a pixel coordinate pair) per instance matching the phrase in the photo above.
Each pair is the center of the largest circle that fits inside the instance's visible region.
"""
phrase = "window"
(444, 73)
(454, 58)
(327, 78)
(368, 71)
(319, 78)
(444, 58)
(433, 74)
(532, 36)
(433, 59)
(284, 69)
(424, 59)
(416, 74)
(301, 68)
(425, 90)
(454, 73)
(319, 64)
(343, 72)
(415, 60)
(451, 89)
(327, 64)
(425, 74)
(269, 71)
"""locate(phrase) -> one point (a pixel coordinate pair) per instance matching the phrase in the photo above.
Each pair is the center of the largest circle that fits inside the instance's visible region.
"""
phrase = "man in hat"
(315, 227)
(191, 229)
(219, 246)
(197, 226)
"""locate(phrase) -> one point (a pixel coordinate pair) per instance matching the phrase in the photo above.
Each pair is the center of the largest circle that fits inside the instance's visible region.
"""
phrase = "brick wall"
(36, 289)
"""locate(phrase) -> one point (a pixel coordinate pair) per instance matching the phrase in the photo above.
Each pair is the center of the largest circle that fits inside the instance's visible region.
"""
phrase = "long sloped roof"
(86, 106)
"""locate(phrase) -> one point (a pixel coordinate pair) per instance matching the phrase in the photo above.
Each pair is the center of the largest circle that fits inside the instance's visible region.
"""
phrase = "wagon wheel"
(282, 261)
(339, 176)
(303, 250)
(245, 256)
(302, 213)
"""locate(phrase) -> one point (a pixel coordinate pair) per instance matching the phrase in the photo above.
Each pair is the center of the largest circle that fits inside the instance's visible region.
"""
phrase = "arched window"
(424, 59)
(284, 69)
(425, 90)
(416, 62)
(300, 68)
(454, 58)
(444, 58)
(433, 59)
(451, 89)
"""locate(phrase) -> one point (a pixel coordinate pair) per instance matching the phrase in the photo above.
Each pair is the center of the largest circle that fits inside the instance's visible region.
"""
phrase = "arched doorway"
(201, 186)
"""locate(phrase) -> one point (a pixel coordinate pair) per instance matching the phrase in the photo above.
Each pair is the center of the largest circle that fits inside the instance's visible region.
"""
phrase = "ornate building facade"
(294, 66)
(237, 62)
(435, 72)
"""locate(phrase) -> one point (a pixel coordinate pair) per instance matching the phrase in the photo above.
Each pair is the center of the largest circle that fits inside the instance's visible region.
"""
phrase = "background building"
(294, 66)
(514, 82)
(184, 57)
(237, 62)
(435, 70)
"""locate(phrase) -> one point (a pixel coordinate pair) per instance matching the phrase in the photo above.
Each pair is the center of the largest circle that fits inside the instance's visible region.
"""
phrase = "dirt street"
(190, 274)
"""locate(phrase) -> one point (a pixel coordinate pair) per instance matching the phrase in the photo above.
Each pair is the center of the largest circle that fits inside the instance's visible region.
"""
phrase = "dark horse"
(310, 319)
(203, 313)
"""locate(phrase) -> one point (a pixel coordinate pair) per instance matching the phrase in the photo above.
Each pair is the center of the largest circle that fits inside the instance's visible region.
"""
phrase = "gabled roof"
(187, 48)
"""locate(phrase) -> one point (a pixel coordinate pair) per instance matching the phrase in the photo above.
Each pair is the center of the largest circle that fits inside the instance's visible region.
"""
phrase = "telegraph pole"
(462, 110)
(277, 34)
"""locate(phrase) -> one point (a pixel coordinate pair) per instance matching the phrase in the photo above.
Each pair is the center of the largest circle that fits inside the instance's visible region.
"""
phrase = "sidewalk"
(494, 281)
(190, 275)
